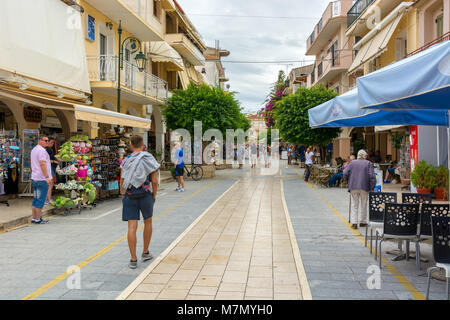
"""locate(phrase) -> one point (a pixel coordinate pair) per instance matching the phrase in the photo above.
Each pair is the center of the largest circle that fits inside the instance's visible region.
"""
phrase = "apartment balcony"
(360, 17)
(332, 66)
(136, 18)
(139, 87)
(445, 37)
(334, 15)
(186, 48)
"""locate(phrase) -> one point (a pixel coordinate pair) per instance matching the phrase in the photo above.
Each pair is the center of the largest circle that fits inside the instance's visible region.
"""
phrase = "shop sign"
(90, 28)
(32, 114)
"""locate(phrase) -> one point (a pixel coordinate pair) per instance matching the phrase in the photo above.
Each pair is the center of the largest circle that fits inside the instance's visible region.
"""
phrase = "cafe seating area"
(415, 219)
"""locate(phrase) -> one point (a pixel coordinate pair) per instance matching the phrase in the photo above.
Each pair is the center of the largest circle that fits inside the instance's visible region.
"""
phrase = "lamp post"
(140, 58)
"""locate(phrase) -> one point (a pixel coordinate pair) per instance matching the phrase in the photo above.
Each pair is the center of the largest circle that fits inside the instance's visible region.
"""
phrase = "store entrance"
(10, 155)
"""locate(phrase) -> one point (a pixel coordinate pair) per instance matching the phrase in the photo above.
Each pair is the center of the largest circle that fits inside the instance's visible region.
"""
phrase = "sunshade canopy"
(344, 111)
(420, 82)
(161, 51)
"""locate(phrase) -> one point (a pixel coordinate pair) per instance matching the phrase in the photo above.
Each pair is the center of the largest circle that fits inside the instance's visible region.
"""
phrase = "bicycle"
(196, 172)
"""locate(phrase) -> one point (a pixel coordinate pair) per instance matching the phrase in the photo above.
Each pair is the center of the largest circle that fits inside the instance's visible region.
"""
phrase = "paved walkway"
(240, 248)
(334, 256)
(18, 214)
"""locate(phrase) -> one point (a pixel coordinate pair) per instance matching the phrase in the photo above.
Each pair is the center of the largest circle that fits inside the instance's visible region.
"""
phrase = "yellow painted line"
(64, 275)
(409, 287)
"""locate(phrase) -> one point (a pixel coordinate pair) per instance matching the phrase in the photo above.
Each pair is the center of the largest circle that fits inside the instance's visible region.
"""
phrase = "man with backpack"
(139, 186)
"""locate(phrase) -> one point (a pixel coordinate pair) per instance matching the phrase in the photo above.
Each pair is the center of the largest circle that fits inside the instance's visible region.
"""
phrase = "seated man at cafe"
(335, 180)
(391, 172)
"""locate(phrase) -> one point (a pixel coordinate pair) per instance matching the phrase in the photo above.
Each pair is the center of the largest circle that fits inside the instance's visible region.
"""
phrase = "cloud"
(256, 39)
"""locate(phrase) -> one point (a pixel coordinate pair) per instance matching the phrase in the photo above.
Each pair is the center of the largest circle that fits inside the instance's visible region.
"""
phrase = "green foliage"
(276, 95)
(292, 117)
(215, 108)
(397, 139)
(359, 144)
(442, 177)
(424, 176)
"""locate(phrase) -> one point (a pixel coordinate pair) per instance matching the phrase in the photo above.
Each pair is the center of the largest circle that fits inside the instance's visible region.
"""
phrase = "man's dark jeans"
(308, 172)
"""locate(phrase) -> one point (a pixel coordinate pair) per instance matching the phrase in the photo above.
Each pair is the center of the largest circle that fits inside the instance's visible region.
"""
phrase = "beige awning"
(184, 78)
(386, 128)
(161, 51)
(110, 117)
(375, 46)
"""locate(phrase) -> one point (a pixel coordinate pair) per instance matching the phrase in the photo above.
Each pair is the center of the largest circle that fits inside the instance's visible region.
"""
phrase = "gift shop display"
(10, 154)
(75, 156)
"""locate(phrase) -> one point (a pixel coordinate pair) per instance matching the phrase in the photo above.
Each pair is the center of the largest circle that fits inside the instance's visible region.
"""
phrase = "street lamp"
(140, 58)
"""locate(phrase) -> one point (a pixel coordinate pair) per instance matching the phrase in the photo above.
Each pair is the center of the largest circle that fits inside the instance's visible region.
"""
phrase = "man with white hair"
(361, 179)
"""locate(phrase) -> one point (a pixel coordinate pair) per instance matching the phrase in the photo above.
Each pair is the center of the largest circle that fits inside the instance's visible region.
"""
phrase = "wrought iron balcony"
(357, 9)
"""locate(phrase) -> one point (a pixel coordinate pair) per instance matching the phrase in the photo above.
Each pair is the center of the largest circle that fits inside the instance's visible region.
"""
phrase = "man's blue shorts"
(133, 207)
(179, 171)
(391, 170)
(40, 193)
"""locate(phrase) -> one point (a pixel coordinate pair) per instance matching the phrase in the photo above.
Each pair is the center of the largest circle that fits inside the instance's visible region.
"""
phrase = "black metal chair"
(440, 227)
(377, 201)
(428, 211)
(417, 198)
(400, 223)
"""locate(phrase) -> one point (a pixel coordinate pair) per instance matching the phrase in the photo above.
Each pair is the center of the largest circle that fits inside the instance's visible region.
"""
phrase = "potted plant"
(423, 177)
(441, 189)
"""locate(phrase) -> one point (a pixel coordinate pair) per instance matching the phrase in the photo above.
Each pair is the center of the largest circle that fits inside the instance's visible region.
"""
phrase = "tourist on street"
(253, 154)
(336, 179)
(390, 172)
(51, 150)
(41, 178)
(301, 151)
(139, 171)
(361, 179)
(179, 166)
(309, 156)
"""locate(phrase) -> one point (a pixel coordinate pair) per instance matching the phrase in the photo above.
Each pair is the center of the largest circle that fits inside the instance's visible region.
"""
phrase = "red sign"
(414, 132)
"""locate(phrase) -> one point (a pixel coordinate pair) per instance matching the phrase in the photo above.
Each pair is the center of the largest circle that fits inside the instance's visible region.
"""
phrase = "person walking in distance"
(361, 179)
(309, 155)
(179, 166)
(41, 178)
(139, 173)
(51, 149)
(253, 154)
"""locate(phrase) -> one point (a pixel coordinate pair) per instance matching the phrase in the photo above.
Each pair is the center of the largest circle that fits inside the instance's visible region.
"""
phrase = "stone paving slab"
(239, 249)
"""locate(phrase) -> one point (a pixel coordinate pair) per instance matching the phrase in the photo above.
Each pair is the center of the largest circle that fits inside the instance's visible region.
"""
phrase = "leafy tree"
(292, 117)
(215, 108)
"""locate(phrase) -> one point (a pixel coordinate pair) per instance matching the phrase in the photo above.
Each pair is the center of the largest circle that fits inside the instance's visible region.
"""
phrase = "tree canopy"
(215, 108)
(292, 117)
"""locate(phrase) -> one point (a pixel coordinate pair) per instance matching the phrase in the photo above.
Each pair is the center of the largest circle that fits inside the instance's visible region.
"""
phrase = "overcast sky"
(256, 39)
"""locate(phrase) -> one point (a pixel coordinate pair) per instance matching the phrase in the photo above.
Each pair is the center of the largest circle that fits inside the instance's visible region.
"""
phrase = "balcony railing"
(319, 26)
(357, 9)
(320, 70)
(104, 68)
(445, 37)
(312, 37)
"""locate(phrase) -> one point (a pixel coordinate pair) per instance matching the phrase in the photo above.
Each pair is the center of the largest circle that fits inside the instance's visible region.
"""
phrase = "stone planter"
(209, 171)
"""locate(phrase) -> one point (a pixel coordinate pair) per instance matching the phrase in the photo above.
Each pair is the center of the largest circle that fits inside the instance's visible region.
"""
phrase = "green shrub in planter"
(442, 177)
(431, 177)
(419, 175)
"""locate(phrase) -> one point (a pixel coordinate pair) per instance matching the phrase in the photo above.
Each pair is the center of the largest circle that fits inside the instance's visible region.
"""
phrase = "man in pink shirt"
(41, 178)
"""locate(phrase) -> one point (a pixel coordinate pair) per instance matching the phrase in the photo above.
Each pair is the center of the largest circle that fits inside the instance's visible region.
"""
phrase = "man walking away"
(139, 170)
(179, 167)
(51, 150)
(361, 179)
(41, 178)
